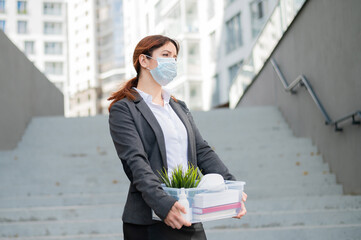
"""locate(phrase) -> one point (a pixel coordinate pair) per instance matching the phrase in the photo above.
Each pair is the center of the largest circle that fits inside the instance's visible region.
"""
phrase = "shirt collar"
(148, 98)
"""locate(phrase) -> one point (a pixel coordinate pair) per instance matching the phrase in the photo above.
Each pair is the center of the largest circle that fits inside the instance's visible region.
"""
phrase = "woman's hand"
(174, 218)
(243, 207)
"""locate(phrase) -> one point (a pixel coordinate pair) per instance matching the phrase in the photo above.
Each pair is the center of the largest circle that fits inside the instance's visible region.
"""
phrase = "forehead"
(169, 46)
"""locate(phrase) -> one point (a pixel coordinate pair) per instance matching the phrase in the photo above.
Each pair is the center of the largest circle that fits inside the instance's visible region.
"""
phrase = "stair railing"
(301, 80)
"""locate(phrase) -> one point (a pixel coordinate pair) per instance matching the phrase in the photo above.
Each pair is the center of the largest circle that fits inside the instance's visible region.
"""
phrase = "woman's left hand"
(243, 207)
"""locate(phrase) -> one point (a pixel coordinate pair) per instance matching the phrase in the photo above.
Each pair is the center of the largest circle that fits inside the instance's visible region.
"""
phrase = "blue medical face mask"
(166, 70)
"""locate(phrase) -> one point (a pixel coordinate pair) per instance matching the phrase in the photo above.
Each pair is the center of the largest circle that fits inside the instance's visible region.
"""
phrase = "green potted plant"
(180, 178)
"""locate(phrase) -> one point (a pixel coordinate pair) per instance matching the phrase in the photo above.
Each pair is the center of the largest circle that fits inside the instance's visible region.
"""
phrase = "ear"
(143, 61)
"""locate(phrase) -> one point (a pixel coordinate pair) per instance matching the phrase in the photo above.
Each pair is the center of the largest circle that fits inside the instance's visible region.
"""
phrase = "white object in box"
(207, 205)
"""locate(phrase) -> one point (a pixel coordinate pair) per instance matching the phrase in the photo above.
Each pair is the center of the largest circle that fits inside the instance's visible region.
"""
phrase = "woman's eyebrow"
(175, 55)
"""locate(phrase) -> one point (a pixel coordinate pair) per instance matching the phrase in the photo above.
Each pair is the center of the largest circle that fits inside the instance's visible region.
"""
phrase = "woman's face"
(168, 50)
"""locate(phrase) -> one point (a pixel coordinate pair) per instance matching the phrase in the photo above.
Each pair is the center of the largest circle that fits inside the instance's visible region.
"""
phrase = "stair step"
(61, 228)
(289, 219)
(329, 232)
(55, 200)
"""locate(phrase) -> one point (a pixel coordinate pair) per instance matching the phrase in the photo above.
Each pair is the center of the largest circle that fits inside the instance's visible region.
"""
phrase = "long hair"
(146, 46)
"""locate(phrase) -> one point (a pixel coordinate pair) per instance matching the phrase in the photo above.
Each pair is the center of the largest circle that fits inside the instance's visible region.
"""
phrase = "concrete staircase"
(64, 181)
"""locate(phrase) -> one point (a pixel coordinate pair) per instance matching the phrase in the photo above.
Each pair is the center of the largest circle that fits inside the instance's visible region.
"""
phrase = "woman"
(152, 130)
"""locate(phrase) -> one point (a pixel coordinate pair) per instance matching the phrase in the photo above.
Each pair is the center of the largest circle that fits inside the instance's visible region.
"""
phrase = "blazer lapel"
(149, 116)
(191, 139)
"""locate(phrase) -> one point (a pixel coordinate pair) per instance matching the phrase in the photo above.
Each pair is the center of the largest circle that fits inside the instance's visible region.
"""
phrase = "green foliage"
(181, 179)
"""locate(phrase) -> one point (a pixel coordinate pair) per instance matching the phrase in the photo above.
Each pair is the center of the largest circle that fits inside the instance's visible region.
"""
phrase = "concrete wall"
(24, 92)
(323, 43)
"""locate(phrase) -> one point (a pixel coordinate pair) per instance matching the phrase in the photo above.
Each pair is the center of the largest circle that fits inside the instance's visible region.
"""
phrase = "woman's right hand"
(174, 218)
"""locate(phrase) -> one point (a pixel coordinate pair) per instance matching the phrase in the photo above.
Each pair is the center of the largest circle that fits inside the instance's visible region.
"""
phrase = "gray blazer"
(139, 142)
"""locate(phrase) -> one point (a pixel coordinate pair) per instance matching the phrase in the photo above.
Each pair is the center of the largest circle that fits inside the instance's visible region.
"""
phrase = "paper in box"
(207, 205)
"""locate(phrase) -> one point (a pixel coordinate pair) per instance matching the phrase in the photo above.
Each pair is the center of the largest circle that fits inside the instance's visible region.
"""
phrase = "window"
(52, 28)
(211, 9)
(2, 6)
(158, 10)
(215, 90)
(22, 27)
(52, 8)
(55, 68)
(29, 47)
(2, 25)
(22, 7)
(228, 2)
(232, 72)
(192, 22)
(53, 48)
(212, 45)
(258, 10)
(234, 33)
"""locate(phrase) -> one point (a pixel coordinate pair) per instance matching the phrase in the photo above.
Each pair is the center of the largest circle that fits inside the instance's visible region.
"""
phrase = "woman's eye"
(165, 54)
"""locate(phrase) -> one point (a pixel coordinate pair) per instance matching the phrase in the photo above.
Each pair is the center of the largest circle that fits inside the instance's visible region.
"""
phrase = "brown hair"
(146, 46)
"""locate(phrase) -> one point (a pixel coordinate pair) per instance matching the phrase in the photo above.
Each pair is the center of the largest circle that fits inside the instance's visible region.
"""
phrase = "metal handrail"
(302, 81)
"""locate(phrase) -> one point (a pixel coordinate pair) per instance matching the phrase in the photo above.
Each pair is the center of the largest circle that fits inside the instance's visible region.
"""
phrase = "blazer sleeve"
(136, 165)
(207, 160)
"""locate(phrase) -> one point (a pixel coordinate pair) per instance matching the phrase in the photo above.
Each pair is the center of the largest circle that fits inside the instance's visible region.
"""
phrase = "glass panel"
(232, 72)
(211, 9)
(215, 90)
(212, 45)
(228, 2)
(192, 23)
(158, 10)
(281, 17)
(172, 21)
(2, 25)
(234, 33)
(55, 68)
(258, 15)
(22, 27)
(52, 28)
(2, 6)
(52, 8)
(195, 95)
(29, 47)
(53, 48)
(22, 7)
(194, 65)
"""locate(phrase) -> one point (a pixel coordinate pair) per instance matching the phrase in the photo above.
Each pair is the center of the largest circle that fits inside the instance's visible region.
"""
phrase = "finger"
(178, 225)
(244, 196)
(180, 207)
(170, 224)
(242, 212)
(187, 223)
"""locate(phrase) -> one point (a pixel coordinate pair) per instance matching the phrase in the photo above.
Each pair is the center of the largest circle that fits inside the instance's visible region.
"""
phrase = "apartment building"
(96, 56)
(215, 37)
(39, 29)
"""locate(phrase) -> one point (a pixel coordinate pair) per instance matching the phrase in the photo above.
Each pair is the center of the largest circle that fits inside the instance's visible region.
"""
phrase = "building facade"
(215, 37)
(39, 29)
(96, 54)
(230, 30)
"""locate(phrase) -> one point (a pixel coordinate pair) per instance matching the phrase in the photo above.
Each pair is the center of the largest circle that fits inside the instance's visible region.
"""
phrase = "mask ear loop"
(148, 57)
